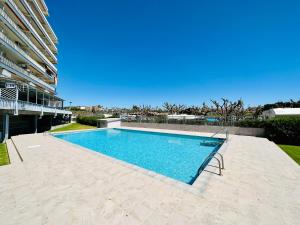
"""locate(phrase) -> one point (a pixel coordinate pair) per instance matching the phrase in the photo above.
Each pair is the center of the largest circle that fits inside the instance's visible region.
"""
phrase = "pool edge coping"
(196, 188)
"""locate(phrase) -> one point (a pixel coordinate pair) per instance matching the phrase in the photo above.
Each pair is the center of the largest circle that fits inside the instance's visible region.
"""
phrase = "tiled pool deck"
(59, 183)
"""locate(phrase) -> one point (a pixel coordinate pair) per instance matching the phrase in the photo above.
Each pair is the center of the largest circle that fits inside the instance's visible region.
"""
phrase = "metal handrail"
(218, 131)
(222, 159)
(206, 160)
(226, 133)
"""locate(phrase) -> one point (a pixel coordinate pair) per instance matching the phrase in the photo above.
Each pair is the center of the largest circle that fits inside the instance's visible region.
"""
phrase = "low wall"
(248, 131)
(109, 122)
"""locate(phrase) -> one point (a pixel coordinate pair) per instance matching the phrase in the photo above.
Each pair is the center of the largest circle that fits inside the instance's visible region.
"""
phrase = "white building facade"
(271, 113)
(28, 58)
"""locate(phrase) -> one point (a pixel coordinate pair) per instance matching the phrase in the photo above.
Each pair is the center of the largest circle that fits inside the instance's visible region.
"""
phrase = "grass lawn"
(73, 126)
(4, 159)
(292, 151)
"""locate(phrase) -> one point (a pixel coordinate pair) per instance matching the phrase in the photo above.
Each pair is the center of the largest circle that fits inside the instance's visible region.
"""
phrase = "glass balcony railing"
(48, 26)
(33, 31)
(25, 74)
(38, 23)
(17, 106)
(30, 60)
(6, 19)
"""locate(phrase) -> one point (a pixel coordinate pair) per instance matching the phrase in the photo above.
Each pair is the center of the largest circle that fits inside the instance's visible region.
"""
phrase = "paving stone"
(60, 183)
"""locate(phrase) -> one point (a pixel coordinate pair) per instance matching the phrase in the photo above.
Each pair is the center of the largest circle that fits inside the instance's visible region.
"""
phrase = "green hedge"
(252, 123)
(89, 120)
(283, 130)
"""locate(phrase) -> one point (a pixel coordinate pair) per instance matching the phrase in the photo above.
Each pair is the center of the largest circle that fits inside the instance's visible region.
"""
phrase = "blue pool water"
(172, 155)
(212, 120)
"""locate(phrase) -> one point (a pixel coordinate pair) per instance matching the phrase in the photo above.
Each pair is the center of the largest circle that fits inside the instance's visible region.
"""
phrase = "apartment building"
(28, 73)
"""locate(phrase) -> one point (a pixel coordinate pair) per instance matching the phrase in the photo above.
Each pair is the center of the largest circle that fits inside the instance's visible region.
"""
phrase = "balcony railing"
(33, 31)
(17, 106)
(9, 65)
(10, 23)
(23, 54)
(38, 23)
(44, 19)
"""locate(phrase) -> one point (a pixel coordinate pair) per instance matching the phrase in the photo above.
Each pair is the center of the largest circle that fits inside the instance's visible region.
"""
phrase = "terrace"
(61, 183)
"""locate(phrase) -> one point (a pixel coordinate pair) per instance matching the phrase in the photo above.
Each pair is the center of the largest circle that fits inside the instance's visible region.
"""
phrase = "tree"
(205, 109)
(222, 108)
(145, 110)
(178, 108)
(227, 109)
(135, 109)
(170, 108)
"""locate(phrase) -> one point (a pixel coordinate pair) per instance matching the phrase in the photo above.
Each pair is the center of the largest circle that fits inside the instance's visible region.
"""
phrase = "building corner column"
(5, 134)
(35, 123)
(51, 122)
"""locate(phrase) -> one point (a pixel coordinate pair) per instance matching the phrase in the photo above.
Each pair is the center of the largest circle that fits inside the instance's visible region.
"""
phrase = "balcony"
(13, 68)
(38, 23)
(17, 106)
(15, 48)
(19, 96)
(21, 16)
(14, 28)
(46, 23)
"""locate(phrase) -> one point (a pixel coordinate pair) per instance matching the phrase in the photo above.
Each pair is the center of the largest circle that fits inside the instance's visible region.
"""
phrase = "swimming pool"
(173, 155)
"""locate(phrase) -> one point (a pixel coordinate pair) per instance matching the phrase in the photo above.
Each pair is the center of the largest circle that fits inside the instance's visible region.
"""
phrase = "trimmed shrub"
(89, 120)
(283, 130)
(252, 123)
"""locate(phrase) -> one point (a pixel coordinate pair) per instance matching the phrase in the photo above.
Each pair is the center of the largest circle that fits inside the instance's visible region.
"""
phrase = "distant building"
(271, 113)
(106, 115)
(183, 117)
(28, 74)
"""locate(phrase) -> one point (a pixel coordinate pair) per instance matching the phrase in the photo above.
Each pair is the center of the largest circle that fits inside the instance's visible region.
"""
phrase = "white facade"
(28, 56)
(28, 73)
(281, 112)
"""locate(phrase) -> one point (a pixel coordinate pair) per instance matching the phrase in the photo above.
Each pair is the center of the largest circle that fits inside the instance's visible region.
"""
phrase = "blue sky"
(124, 52)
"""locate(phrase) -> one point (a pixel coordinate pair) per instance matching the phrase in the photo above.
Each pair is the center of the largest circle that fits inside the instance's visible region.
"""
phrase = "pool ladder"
(212, 156)
(226, 132)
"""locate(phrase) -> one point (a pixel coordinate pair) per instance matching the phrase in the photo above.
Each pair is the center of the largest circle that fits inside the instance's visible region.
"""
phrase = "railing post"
(27, 93)
(16, 102)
